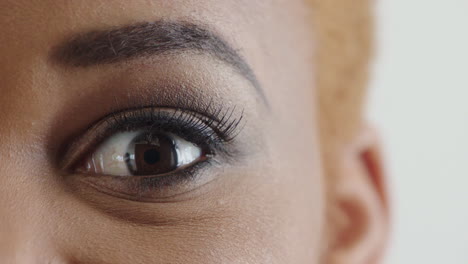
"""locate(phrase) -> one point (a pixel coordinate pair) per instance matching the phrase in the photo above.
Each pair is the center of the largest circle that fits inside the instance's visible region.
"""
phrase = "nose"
(22, 237)
(21, 245)
(28, 219)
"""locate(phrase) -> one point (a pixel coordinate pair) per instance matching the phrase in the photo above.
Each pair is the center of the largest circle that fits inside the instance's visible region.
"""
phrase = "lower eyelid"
(167, 188)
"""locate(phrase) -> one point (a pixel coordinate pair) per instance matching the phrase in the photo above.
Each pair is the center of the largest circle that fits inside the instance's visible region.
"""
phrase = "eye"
(142, 153)
(150, 154)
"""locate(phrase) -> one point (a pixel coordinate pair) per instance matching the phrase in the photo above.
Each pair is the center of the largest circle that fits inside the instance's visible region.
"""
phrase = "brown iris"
(151, 155)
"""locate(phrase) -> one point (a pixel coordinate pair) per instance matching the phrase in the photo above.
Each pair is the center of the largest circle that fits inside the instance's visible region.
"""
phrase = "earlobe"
(358, 201)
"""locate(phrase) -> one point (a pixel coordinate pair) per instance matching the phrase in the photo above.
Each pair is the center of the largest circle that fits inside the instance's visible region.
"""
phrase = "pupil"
(151, 156)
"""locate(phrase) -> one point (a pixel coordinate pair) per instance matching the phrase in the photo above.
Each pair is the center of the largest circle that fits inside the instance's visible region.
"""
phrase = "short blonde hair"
(344, 32)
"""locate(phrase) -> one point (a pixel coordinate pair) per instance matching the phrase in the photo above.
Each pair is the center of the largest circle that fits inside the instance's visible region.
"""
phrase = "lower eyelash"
(172, 179)
(152, 188)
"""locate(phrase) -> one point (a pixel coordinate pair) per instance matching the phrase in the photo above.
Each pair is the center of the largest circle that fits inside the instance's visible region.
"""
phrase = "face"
(161, 132)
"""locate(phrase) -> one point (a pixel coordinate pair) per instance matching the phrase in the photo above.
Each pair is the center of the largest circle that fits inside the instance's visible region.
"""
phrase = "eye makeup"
(214, 131)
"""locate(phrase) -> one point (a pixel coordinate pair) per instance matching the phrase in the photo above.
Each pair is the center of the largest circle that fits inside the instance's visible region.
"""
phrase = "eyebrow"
(149, 39)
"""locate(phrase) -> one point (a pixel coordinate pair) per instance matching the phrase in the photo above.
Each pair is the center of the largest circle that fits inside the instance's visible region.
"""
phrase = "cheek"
(275, 217)
(296, 164)
(273, 214)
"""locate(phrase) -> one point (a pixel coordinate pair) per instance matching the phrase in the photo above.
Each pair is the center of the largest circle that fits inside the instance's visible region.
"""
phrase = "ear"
(359, 204)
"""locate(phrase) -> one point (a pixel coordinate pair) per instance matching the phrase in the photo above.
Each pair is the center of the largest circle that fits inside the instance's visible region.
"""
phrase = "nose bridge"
(27, 194)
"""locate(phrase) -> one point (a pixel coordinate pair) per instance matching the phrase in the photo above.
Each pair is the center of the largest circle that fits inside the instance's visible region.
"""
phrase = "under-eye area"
(153, 153)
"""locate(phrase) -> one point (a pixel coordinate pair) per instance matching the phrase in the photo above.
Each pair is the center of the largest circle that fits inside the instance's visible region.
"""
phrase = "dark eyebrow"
(147, 39)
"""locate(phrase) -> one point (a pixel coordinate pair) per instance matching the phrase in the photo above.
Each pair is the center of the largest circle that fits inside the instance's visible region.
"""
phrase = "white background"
(419, 99)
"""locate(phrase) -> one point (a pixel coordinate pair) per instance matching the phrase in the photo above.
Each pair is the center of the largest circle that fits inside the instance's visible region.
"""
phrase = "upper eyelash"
(224, 127)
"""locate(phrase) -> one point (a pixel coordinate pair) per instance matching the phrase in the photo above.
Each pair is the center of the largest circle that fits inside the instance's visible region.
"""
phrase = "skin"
(279, 202)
